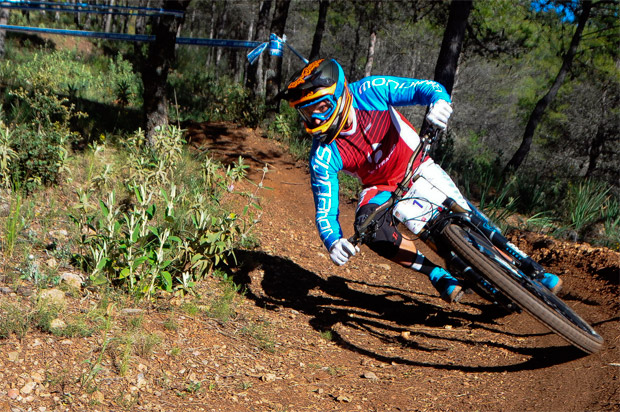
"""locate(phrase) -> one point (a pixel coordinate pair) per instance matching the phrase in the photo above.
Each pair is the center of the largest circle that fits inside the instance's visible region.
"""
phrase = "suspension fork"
(525, 263)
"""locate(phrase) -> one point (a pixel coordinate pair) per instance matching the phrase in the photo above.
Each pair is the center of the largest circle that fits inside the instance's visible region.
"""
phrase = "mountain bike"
(428, 203)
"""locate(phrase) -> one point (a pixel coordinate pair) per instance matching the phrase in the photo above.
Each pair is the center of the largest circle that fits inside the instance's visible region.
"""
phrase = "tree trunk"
(255, 71)
(541, 106)
(223, 26)
(108, 18)
(141, 21)
(4, 18)
(318, 31)
(273, 77)
(353, 68)
(155, 71)
(370, 56)
(77, 17)
(371, 53)
(452, 43)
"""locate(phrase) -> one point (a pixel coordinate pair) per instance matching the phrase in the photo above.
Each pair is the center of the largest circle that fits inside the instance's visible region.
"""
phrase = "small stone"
(448, 327)
(13, 356)
(141, 381)
(72, 279)
(370, 375)
(268, 377)
(13, 393)
(37, 377)
(132, 311)
(54, 297)
(98, 397)
(344, 398)
(58, 324)
(405, 334)
(27, 388)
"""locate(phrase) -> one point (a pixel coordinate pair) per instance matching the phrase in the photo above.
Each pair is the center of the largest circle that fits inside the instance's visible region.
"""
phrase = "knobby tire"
(531, 296)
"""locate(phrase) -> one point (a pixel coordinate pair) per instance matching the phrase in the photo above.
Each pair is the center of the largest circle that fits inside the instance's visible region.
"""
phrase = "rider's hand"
(439, 114)
(341, 251)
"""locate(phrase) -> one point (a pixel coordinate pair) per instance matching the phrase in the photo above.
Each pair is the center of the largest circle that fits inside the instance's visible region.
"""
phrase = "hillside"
(309, 336)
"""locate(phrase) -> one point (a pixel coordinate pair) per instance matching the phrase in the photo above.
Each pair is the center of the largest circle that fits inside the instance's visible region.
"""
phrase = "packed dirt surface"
(310, 336)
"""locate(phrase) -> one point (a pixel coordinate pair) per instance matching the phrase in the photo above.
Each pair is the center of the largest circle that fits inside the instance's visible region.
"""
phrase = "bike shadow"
(273, 283)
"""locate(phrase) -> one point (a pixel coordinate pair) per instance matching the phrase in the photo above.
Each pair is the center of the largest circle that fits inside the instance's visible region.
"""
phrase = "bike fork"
(525, 263)
(491, 292)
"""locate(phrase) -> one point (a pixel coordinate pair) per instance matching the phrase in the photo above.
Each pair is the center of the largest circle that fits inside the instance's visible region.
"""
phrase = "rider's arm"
(325, 162)
(379, 92)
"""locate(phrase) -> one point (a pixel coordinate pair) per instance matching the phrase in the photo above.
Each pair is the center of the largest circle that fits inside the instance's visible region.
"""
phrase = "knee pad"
(387, 239)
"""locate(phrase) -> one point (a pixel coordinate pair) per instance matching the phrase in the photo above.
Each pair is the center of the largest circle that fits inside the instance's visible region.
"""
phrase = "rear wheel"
(527, 293)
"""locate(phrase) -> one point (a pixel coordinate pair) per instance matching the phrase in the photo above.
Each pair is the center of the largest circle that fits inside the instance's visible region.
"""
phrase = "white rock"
(370, 375)
(57, 324)
(268, 377)
(53, 297)
(28, 388)
(72, 279)
(37, 377)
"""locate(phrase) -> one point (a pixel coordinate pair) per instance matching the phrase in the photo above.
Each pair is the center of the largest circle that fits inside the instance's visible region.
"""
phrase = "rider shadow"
(332, 301)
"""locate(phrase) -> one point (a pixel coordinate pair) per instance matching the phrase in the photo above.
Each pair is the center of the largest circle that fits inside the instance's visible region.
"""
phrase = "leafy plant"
(163, 236)
(7, 155)
(14, 224)
(222, 307)
(13, 320)
(123, 80)
(584, 203)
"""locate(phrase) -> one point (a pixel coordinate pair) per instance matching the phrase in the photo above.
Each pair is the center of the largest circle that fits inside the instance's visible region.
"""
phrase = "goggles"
(319, 110)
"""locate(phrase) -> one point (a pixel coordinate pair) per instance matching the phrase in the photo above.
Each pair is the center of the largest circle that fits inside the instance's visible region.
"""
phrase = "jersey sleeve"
(379, 92)
(325, 162)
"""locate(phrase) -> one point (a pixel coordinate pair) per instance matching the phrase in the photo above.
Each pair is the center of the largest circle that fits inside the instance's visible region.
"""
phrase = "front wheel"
(527, 293)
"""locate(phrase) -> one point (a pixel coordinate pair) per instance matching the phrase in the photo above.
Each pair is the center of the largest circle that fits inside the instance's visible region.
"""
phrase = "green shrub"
(14, 319)
(202, 96)
(584, 204)
(40, 158)
(123, 83)
(164, 235)
(7, 155)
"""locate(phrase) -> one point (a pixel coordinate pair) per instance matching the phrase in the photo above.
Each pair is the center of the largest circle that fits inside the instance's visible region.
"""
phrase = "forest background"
(95, 117)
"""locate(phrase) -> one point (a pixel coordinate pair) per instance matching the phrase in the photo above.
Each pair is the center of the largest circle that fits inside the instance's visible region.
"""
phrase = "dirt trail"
(310, 336)
(387, 323)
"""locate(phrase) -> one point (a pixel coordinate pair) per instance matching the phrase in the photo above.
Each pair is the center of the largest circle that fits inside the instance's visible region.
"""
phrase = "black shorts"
(387, 239)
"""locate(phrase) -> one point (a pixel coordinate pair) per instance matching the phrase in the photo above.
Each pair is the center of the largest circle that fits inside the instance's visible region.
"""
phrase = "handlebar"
(427, 137)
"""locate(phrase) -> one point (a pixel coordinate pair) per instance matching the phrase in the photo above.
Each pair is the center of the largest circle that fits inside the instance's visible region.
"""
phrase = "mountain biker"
(355, 128)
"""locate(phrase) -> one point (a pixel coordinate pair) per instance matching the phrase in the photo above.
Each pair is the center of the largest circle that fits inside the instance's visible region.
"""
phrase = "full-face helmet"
(320, 94)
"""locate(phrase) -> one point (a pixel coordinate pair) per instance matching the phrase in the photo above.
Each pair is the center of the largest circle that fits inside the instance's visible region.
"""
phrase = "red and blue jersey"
(376, 148)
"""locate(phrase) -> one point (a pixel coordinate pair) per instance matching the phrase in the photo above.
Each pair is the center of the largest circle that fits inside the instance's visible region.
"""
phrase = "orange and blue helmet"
(320, 94)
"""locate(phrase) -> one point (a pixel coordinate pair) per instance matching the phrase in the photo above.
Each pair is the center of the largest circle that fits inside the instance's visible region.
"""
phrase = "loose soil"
(307, 335)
